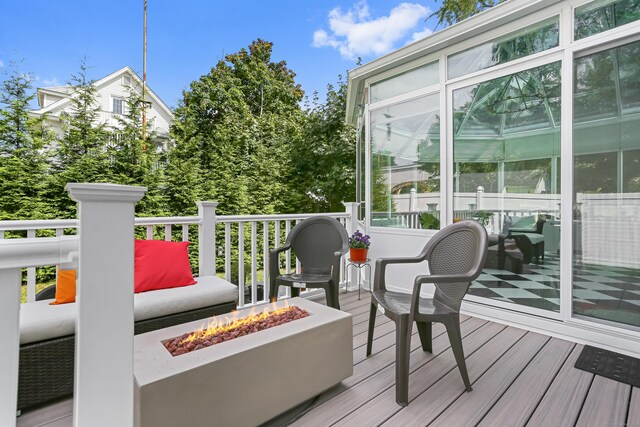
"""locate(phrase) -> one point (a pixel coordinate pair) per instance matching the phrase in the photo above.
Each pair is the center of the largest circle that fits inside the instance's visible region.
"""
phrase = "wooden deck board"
(384, 405)
(633, 417)
(364, 386)
(606, 404)
(519, 378)
(428, 405)
(563, 401)
(523, 396)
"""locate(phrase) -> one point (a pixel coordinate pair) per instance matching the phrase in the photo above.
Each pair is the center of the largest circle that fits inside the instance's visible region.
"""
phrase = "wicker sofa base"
(46, 368)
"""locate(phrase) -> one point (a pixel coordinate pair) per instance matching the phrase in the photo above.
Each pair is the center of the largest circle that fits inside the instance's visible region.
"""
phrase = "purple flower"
(359, 240)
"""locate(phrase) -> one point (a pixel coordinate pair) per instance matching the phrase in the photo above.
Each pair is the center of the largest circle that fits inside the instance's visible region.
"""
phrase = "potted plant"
(359, 246)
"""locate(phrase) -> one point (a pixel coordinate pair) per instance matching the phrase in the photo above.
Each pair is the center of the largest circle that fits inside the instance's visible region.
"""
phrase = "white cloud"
(355, 33)
(51, 82)
(420, 35)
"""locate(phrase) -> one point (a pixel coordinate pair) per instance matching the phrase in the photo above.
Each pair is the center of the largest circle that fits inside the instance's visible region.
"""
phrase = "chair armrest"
(381, 266)
(435, 278)
(274, 265)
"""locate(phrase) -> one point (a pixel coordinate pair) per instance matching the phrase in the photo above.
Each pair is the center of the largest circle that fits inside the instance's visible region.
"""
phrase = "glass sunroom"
(526, 118)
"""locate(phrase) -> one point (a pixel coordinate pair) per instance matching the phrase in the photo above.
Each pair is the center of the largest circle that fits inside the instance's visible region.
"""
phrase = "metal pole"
(144, 78)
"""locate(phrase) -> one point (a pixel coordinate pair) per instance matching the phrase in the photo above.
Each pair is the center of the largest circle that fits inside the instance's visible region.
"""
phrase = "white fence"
(242, 241)
(104, 343)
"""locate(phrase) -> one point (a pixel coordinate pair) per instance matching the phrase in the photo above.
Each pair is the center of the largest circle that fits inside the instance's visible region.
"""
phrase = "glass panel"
(417, 78)
(603, 15)
(517, 45)
(405, 175)
(506, 148)
(606, 163)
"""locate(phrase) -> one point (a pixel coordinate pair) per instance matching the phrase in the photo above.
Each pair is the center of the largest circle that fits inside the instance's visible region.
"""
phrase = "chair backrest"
(315, 241)
(458, 249)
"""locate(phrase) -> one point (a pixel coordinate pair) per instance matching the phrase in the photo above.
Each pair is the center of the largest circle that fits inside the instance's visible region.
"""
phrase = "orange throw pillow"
(65, 287)
(160, 265)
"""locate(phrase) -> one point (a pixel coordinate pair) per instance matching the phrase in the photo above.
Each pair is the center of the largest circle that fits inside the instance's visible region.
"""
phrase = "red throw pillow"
(159, 264)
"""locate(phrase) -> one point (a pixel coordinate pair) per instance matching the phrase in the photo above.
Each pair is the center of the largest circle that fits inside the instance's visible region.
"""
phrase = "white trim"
(409, 96)
(446, 182)
(513, 28)
(566, 184)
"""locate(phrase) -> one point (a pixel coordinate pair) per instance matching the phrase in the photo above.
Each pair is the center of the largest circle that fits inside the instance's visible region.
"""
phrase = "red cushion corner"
(159, 264)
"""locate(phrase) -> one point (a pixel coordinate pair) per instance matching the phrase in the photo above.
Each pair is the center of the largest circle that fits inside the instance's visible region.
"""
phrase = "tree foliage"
(324, 161)
(23, 162)
(453, 11)
(240, 137)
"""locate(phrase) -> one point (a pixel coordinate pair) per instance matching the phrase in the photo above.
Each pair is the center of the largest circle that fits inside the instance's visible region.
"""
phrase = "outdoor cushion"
(40, 321)
(65, 287)
(160, 264)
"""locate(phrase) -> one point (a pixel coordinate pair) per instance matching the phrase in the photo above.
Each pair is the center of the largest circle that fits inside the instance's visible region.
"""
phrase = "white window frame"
(123, 103)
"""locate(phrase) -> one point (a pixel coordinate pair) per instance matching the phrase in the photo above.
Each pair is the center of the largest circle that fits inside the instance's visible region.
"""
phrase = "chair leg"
(424, 331)
(402, 360)
(455, 338)
(333, 297)
(372, 323)
(295, 292)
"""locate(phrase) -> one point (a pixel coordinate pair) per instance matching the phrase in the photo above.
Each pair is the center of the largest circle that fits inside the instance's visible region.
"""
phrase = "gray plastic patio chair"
(456, 255)
(318, 243)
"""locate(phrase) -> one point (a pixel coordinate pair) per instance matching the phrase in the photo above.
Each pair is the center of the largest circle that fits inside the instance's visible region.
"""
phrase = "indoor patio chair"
(455, 255)
(318, 243)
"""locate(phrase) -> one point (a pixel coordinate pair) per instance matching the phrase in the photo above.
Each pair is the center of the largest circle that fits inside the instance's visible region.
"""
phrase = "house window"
(118, 106)
(126, 80)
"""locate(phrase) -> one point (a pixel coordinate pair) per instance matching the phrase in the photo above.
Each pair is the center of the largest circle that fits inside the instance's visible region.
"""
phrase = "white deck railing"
(104, 343)
(244, 243)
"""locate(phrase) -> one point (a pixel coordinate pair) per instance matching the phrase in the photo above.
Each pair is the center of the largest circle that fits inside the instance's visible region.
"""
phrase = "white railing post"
(207, 239)
(104, 327)
(10, 337)
(352, 225)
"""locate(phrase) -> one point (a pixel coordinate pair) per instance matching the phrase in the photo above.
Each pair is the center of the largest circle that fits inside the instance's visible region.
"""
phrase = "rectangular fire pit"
(245, 381)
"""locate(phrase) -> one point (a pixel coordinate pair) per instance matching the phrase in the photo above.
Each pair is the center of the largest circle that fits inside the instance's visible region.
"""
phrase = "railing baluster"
(185, 232)
(265, 260)
(254, 266)
(241, 264)
(31, 274)
(298, 266)
(149, 232)
(167, 232)
(287, 230)
(227, 251)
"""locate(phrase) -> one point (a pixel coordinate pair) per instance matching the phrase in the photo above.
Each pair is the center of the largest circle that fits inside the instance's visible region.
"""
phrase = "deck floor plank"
(519, 378)
(563, 400)
(633, 417)
(440, 366)
(381, 375)
(428, 399)
(612, 410)
(520, 400)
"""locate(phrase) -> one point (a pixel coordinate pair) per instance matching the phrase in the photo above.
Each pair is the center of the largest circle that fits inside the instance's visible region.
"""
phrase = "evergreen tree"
(238, 121)
(134, 159)
(324, 159)
(81, 154)
(23, 163)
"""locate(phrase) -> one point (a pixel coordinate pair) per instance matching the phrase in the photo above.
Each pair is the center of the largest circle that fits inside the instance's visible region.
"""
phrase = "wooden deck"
(519, 378)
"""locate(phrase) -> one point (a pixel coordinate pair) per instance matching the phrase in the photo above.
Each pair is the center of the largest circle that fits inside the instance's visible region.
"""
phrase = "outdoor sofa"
(47, 332)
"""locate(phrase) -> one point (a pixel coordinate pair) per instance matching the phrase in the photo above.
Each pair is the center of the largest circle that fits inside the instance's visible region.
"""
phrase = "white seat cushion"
(40, 321)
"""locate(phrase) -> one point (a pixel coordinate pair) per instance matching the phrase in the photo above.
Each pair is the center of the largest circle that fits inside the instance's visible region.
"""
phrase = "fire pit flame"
(233, 327)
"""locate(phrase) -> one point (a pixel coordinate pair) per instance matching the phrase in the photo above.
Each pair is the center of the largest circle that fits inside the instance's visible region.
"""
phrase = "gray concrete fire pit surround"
(245, 381)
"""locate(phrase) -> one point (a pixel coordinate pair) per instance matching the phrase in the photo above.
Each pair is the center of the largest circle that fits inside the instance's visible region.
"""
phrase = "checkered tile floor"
(610, 293)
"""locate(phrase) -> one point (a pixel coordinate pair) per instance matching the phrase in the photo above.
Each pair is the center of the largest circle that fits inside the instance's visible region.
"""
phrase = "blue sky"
(318, 39)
